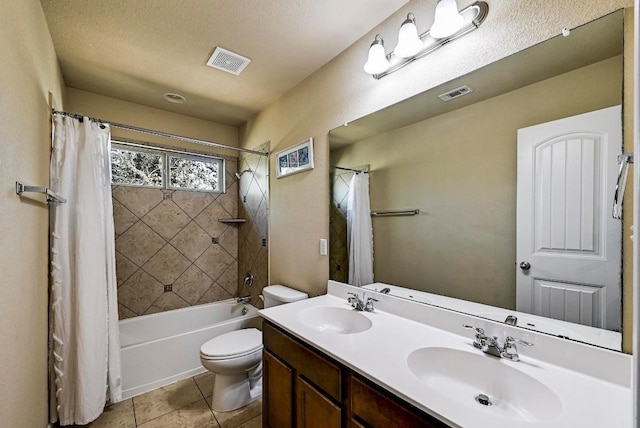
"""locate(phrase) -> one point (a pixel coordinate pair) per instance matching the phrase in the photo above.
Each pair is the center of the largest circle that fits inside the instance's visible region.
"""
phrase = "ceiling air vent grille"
(458, 92)
(228, 61)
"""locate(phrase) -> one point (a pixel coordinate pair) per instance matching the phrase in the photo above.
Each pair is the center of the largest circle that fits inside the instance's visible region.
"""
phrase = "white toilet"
(236, 357)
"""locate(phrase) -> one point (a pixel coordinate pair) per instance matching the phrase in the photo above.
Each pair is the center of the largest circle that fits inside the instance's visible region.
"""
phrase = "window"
(133, 165)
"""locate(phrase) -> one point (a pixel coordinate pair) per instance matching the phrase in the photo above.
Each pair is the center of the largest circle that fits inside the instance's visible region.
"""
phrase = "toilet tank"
(275, 295)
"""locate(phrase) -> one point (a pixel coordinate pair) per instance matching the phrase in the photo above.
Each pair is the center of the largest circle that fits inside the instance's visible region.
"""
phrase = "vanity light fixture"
(447, 21)
(449, 24)
(409, 42)
(377, 61)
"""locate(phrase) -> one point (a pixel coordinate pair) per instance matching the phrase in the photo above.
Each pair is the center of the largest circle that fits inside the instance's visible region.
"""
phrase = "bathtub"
(162, 348)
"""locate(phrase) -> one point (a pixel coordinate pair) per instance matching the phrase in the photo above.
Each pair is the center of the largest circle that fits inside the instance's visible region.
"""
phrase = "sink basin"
(463, 376)
(335, 320)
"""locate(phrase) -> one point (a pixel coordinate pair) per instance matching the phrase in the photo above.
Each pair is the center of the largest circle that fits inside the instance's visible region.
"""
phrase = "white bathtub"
(162, 348)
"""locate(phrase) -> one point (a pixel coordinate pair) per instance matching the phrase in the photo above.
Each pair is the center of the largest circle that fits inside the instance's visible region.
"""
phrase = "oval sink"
(335, 320)
(484, 383)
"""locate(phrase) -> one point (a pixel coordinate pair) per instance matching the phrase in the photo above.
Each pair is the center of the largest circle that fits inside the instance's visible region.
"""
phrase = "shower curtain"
(359, 231)
(85, 346)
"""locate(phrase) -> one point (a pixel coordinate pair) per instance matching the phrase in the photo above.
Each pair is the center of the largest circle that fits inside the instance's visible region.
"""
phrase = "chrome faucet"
(511, 320)
(492, 346)
(244, 299)
(357, 304)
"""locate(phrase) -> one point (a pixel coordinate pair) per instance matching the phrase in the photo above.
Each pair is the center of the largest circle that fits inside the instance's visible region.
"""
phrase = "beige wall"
(29, 72)
(459, 169)
(341, 91)
(115, 110)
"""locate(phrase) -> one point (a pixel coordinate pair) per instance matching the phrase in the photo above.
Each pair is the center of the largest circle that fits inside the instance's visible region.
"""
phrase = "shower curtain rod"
(161, 134)
(349, 169)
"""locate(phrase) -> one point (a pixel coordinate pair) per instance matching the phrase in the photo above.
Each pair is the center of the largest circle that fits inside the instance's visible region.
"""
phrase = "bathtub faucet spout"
(244, 299)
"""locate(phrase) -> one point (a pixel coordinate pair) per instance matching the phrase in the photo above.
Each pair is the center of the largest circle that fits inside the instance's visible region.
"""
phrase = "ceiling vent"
(228, 61)
(458, 92)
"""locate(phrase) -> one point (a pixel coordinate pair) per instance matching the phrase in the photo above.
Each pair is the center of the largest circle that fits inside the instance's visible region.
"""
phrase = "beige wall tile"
(167, 301)
(138, 200)
(166, 265)
(215, 293)
(124, 312)
(139, 292)
(123, 219)
(214, 261)
(208, 219)
(192, 202)
(192, 241)
(229, 241)
(124, 268)
(166, 219)
(139, 243)
(229, 279)
(192, 284)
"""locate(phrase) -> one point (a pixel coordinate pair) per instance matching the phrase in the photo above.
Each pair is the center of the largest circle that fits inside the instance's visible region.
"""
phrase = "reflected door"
(568, 264)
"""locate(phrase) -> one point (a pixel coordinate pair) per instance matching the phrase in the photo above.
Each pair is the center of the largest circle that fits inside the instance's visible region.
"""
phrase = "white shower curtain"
(359, 231)
(85, 346)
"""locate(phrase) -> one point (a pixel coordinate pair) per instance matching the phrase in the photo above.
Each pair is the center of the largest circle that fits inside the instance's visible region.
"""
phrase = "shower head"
(239, 174)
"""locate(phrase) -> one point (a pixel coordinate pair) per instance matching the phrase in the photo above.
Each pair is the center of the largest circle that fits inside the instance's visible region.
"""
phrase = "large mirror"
(463, 164)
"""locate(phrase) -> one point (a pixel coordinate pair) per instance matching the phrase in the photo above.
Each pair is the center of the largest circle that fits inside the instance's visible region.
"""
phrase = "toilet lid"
(233, 344)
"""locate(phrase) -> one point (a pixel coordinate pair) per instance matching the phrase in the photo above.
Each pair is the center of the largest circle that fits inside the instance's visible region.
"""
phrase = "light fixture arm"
(481, 10)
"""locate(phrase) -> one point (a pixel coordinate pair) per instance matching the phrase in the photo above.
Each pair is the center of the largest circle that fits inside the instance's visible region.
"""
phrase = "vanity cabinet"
(304, 388)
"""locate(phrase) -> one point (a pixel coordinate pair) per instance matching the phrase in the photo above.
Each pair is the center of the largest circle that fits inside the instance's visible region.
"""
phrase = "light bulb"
(447, 20)
(409, 42)
(377, 61)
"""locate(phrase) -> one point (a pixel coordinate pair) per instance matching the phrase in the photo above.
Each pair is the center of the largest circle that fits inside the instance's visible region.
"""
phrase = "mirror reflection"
(513, 180)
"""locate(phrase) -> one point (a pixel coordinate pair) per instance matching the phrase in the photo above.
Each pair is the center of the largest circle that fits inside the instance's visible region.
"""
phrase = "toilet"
(236, 357)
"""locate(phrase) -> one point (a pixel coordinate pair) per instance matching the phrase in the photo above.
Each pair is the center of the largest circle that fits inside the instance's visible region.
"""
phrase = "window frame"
(166, 154)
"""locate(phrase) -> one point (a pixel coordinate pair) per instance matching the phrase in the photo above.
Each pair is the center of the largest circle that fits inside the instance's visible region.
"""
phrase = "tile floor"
(180, 405)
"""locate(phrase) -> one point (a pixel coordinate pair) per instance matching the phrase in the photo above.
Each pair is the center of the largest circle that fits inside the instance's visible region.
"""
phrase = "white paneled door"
(568, 263)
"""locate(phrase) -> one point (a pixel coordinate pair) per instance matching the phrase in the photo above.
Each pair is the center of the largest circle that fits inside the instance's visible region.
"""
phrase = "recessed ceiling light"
(174, 98)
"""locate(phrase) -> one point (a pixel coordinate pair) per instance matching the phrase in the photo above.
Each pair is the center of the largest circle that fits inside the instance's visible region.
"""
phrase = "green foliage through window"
(161, 169)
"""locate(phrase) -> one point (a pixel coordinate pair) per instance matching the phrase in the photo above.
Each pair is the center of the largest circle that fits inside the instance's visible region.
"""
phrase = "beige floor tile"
(166, 399)
(238, 417)
(253, 423)
(205, 383)
(119, 415)
(195, 415)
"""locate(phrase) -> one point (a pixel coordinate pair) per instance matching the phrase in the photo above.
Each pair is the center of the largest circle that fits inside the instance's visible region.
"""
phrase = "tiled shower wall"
(171, 250)
(254, 233)
(338, 251)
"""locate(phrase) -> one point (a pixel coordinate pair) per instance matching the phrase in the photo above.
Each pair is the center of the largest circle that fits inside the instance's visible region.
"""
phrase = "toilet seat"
(234, 344)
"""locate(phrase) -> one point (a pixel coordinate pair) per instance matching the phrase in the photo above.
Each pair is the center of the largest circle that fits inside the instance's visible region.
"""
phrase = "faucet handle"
(480, 338)
(369, 305)
(355, 302)
(510, 340)
(510, 351)
(477, 329)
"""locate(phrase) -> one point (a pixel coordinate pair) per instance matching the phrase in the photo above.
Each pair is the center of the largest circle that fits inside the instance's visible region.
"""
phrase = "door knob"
(525, 265)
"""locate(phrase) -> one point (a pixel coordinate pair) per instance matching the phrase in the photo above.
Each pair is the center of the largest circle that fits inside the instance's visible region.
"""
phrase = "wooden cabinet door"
(314, 409)
(374, 408)
(277, 397)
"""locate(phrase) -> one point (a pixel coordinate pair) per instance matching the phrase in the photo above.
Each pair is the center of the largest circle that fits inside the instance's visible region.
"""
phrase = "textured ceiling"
(138, 50)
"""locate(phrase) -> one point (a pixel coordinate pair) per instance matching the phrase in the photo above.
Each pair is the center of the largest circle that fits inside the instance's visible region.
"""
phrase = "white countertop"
(380, 354)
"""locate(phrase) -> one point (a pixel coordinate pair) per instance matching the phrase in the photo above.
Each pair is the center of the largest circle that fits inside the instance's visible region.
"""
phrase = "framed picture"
(295, 159)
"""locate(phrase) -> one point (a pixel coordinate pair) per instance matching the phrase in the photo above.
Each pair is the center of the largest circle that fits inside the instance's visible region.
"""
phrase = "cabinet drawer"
(318, 369)
(375, 408)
